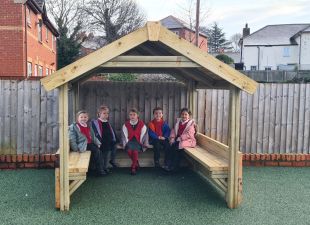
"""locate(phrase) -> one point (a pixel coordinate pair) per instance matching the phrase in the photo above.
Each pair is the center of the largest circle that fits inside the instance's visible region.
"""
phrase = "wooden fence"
(276, 119)
(28, 118)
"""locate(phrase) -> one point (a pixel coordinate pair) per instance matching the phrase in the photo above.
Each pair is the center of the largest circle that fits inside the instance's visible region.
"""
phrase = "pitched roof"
(281, 34)
(156, 42)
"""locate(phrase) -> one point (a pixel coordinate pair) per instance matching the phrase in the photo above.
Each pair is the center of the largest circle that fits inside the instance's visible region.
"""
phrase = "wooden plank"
(295, 121)
(171, 105)
(27, 117)
(289, 119)
(43, 121)
(278, 121)
(220, 112)
(208, 112)
(151, 64)
(225, 117)
(272, 119)
(146, 58)
(243, 115)
(13, 116)
(301, 118)
(49, 121)
(249, 121)
(57, 188)
(153, 30)
(212, 145)
(1, 116)
(284, 110)
(35, 115)
(208, 160)
(213, 114)
(306, 144)
(260, 118)
(166, 102)
(234, 193)
(95, 59)
(201, 99)
(55, 115)
(207, 61)
(75, 185)
(6, 147)
(255, 121)
(78, 162)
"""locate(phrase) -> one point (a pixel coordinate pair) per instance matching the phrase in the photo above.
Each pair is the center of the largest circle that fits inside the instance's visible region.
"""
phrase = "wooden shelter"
(154, 49)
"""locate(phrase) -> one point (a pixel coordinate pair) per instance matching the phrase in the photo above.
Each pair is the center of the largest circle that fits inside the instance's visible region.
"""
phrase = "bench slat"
(78, 162)
(211, 161)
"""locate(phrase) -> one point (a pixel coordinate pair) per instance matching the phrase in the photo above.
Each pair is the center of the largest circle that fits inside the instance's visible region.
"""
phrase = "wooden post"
(192, 98)
(234, 192)
(64, 148)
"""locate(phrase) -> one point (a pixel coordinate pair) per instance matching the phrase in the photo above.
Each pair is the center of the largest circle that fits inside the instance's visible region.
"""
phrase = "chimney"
(246, 31)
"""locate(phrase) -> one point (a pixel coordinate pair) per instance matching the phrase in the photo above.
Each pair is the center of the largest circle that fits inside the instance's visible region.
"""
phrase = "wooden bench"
(210, 159)
(78, 167)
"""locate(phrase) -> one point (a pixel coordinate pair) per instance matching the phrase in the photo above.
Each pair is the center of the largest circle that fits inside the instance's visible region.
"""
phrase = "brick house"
(27, 40)
(180, 28)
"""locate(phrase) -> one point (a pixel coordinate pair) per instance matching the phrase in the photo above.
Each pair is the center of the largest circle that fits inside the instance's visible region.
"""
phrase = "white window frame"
(46, 71)
(46, 34)
(286, 52)
(40, 71)
(29, 69)
(35, 70)
(268, 68)
(28, 17)
(39, 32)
(253, 68)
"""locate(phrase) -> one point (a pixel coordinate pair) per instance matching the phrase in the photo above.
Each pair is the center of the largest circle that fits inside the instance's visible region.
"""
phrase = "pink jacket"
(188, 136)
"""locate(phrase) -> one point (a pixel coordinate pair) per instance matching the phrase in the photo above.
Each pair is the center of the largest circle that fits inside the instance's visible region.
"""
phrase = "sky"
(232, 16)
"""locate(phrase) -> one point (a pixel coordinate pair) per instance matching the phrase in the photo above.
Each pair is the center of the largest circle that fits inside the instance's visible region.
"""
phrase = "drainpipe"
(258, 55)
(299, 59)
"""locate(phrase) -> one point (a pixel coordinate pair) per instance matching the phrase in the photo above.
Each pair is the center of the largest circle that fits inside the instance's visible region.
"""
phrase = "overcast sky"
(232, 15)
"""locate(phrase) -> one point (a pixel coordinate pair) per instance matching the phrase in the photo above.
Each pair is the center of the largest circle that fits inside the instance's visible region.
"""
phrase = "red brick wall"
(11, 39)
(41, 53)
(14, 53)
(190, 36)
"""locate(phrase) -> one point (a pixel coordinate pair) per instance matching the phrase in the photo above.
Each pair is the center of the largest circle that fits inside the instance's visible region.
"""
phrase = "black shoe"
(102, 173)
(113, 164)
(157, 165)
(107, 171)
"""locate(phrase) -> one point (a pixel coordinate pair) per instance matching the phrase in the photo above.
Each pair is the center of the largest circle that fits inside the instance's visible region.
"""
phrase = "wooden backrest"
(212, 145)
(79, 161)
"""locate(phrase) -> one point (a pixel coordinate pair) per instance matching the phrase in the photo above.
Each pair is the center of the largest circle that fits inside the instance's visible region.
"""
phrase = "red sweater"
(86, 132)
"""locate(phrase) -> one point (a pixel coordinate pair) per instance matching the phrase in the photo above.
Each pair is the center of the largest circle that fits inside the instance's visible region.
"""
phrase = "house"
(27, 40)
(180, 28)
(277, 47)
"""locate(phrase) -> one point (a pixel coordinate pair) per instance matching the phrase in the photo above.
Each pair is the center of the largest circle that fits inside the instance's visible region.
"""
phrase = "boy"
(82, 138)
(106, 135)
(135, 138)
(159, 133)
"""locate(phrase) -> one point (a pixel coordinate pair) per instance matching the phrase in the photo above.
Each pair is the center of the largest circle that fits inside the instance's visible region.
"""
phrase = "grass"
(272, 195)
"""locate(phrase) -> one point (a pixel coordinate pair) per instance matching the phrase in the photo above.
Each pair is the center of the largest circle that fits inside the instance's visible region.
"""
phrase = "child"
(106, 135)
(82, 138)
(135, 138)
(159, 133)
(183, 135)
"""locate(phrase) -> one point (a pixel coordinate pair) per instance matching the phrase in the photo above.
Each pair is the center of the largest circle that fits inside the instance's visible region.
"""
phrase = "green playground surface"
(272, 195)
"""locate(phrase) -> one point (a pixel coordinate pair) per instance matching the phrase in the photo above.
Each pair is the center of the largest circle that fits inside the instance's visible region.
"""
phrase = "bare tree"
(114, 18)
(235, 39)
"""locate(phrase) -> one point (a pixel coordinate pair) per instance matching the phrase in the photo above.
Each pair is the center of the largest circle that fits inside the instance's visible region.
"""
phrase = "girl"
(82, 138)
(183, 135)
(135, 138)
(106, 135)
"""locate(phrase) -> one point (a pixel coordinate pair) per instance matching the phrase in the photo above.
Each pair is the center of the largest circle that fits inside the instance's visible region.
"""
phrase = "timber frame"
(154, 49)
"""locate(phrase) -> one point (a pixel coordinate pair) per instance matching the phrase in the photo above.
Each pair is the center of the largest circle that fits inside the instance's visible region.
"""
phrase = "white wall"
(270, 56)
(305, 51)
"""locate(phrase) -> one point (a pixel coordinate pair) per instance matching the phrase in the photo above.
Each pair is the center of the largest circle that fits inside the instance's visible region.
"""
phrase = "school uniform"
(159, 129)
(135, 140)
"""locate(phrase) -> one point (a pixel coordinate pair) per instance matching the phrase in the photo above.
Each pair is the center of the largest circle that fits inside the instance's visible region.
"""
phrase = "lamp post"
(197, 21)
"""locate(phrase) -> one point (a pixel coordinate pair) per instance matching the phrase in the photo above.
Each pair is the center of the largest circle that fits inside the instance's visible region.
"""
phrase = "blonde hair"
(134, 110)
(81, 112)
(102, 108)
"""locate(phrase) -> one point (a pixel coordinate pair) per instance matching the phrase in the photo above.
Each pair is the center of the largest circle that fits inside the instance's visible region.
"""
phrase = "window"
(35, 70)
(28, 18)
(46, 37)
(29, 69)
(176, 32)
(286, 52)
(268, 68)
(40, 30)
(253, 68)
(40, 71)
(46, 71)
